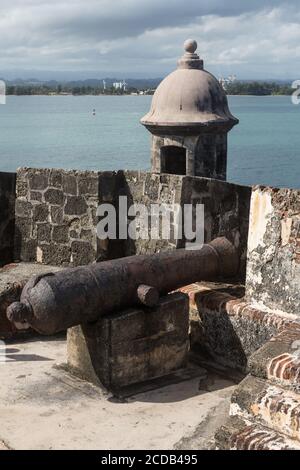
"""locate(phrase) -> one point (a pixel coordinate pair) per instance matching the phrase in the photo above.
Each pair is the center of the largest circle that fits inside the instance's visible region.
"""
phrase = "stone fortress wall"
(273, 268)
(56, 212)
(51, 219)
(55, 217)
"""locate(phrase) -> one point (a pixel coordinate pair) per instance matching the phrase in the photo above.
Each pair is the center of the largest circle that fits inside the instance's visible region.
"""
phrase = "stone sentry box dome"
(189, 120)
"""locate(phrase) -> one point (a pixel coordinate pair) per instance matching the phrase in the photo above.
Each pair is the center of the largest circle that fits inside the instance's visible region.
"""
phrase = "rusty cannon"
(51, 303)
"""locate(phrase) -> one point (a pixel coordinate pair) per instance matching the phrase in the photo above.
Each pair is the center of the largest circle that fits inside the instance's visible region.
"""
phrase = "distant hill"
(95, 86)
(139, 83)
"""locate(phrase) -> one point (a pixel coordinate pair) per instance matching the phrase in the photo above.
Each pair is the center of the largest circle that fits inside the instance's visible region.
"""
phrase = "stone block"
(268, 405)
(224, 326)
(21, 188)
(57, 214)
(151, 186)
(60, 234)
(132, 346)
(36, 196)
(44, 232)
(23, 208)
(38, 180)
(238, 434)
(75, 205)
(40, 213)
(56, 178)
(88, 185)
(54, 196)
(27, 251)
(87, 235)
(70, 184)
(278, 360)
(273, 268)
(83, 252)
(55, 254)
(73, 234)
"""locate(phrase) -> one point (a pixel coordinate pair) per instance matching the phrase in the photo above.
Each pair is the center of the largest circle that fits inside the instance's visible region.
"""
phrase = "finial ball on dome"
(190, 45)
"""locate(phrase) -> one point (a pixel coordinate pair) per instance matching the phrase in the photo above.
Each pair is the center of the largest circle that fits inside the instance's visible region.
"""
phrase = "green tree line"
(258, 88)
(235, 88)
(74, 90)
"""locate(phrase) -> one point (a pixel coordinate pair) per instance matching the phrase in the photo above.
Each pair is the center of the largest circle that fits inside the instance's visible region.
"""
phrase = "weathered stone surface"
(75, 205)
(40, 213)
(151, 186)
(53, 253)
(23, 208)
(54, 196)
(27, 251)
(88, 185)
(22, 232)
(225, 326)
(278, 360)
(56, 178)
(238, 434)
(268, 401)
(226, 211)
(273, 268)
(56, 204)
(56, 214)
(44, 232)
(60, 234)
(268, 405)
(69, 184)
(70, 199)
(74, 234)
(22, 187)
(7, 216)
(82, 253)
(132, 346)
(87, 235)
(38, 179)
(36, 196)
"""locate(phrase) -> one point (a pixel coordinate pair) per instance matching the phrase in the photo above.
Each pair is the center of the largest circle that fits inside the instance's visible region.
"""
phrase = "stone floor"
(43, 407)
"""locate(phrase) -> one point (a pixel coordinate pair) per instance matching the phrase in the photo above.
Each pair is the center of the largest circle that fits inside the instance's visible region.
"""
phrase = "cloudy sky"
(143, 38)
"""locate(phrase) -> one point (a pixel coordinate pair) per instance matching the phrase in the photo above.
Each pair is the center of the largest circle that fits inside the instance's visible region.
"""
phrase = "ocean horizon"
(62, 132)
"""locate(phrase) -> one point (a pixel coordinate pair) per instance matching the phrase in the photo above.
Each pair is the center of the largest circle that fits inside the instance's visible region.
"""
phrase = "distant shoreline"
(127, 94)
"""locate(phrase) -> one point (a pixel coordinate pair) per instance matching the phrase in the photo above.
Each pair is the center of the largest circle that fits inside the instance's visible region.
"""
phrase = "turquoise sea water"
(61, 132)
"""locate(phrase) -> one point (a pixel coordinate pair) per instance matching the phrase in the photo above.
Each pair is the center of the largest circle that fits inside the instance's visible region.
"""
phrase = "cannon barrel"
(54, 302)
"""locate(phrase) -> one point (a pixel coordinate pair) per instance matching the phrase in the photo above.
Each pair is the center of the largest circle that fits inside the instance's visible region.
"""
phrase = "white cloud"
(145, 36)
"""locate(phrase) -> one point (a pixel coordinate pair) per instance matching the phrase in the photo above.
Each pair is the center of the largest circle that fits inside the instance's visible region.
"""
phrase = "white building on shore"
(120, 85)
